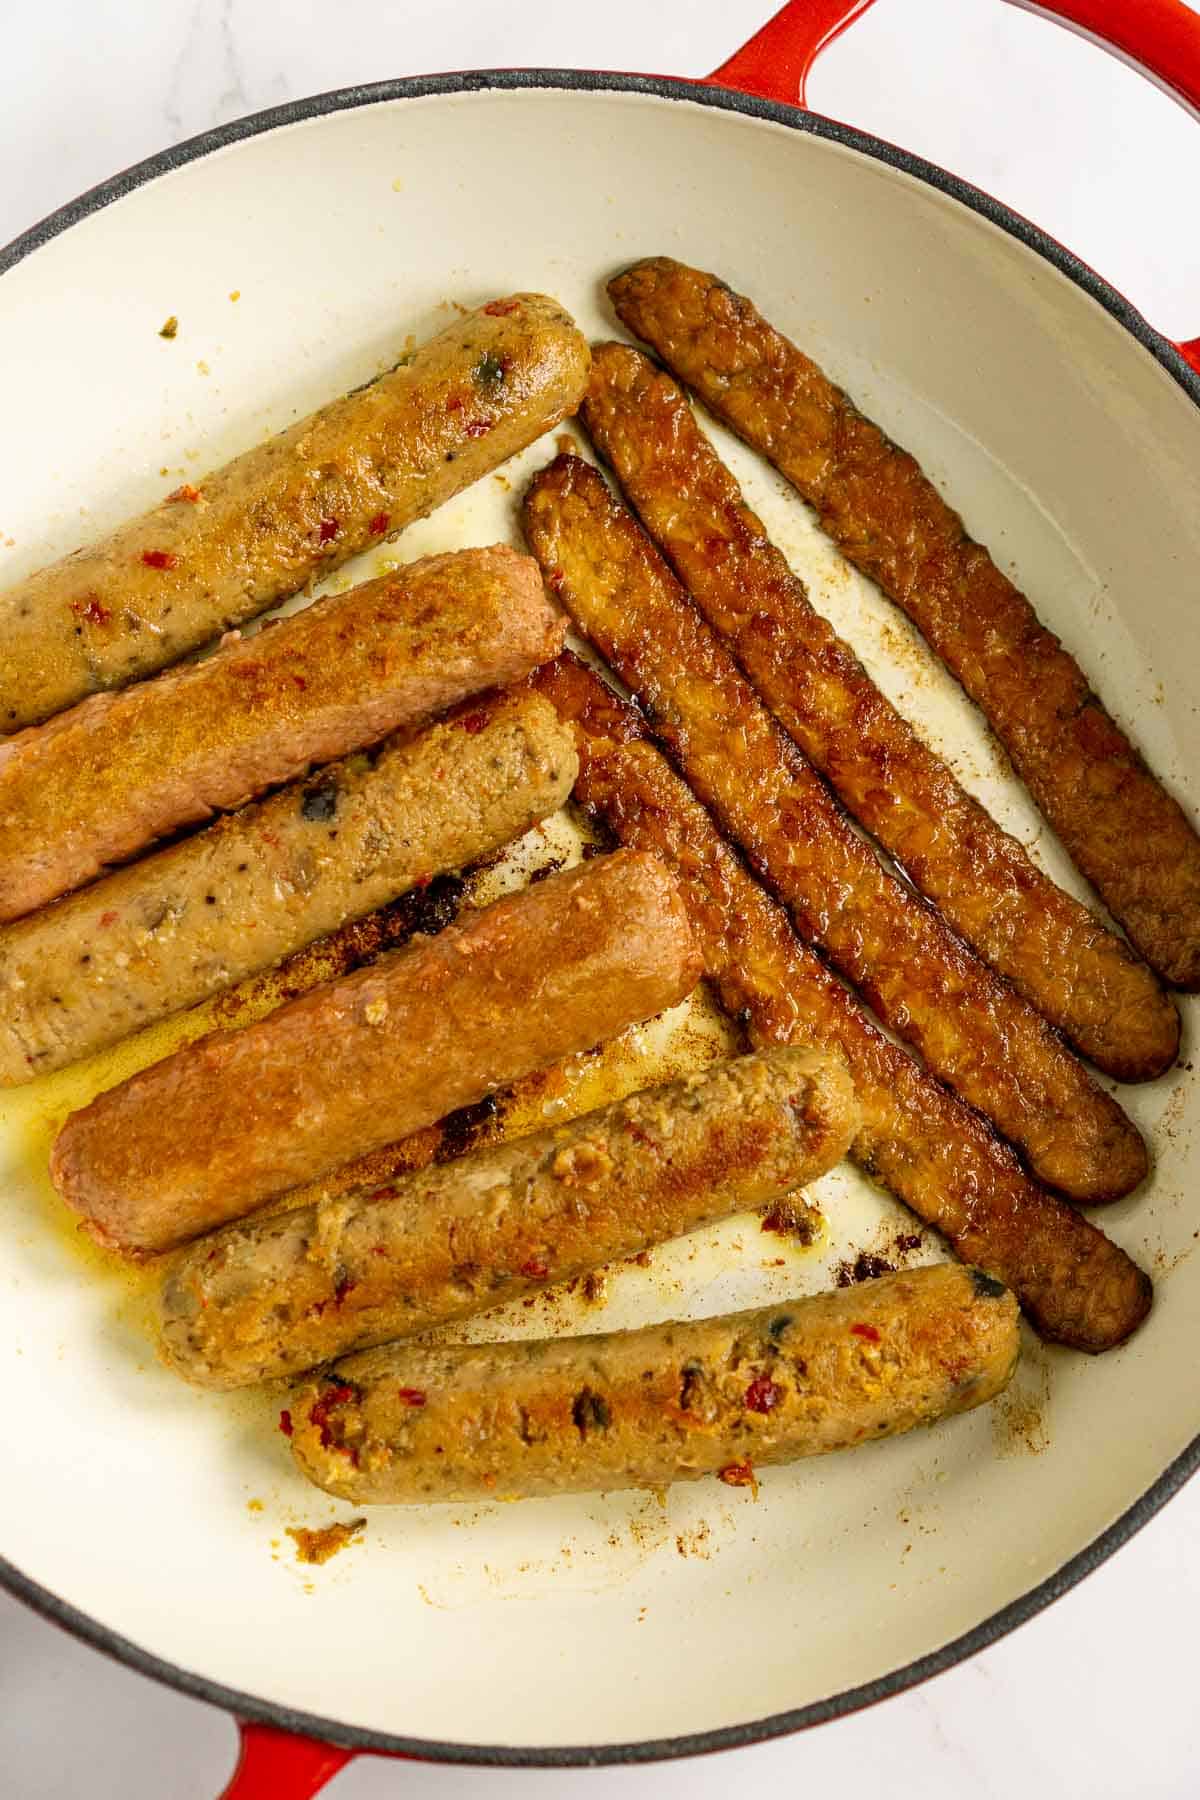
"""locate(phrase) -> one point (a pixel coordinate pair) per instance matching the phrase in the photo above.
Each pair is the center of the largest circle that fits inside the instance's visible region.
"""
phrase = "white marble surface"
(1095, 1699)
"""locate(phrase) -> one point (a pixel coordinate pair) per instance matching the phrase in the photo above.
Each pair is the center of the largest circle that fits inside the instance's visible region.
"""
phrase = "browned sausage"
(274, 1296)
(290, 510)
(98, 783)
(970, 1026)
(414, 1423)
(936, 1155)
(259, 884)
(1080, 976)
(228, 1122)
(1126, 833)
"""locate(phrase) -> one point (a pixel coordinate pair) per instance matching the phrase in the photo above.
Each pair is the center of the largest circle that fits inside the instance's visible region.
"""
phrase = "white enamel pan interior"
(152, 1519)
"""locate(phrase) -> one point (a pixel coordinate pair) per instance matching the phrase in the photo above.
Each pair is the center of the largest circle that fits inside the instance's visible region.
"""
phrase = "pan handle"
(1159, 38)
(275, 1765)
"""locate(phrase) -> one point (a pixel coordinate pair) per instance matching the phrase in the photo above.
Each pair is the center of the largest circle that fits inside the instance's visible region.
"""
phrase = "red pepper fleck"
(866, 1331)
(380, 523)
(91, 609)
(422, 881)
(285, 1423)
(534, 1270)
(345, 1286)
(411, 1396)
(299, 681)
(498, 309)
(159, 559)
(319, 1412)
(378, 1250)
(455, 403)
(108, 918)
(739, 1474)
(327, 529)
(186, 492)
(474, 721)
(556, 580)
(763, 1395)
(476, 428)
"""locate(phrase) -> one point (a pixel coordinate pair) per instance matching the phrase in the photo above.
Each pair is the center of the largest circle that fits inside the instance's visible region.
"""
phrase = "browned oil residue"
(1019, 1426)
(470, 1128)
(318, 1546)
(695, 1541)
(793, 1218)
(425, 910)
(868, 1265)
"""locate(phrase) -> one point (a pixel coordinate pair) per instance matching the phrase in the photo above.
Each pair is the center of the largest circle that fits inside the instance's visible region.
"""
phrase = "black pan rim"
(1141, 1511)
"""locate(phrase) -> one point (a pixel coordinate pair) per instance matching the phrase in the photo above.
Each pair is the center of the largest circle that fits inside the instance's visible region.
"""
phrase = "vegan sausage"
(1082, 977)
(939, 1157)
(922, 980)
(97, 784)
(414, 1424)
(238, 1117)
(274, 1296)
(263, 882)
(1123, 830)
(289, 511)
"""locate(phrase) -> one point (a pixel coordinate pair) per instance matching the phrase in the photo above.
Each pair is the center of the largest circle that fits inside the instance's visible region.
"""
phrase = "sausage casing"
(290, 510)
(1122, 829)
(274, 1296)
(413, 1423)
(97, 784)
(238, 1117)
(261, 883)
(1082, 977)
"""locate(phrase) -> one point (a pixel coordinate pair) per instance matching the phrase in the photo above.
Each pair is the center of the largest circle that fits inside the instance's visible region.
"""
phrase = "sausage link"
(1130, 838)
(1081, 977)
(291, 510)
(264, 882)
(274, 1296)
(935, 1155)
(236, 1118)
(412, 1424)
(97, 784)
(971, 1028)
